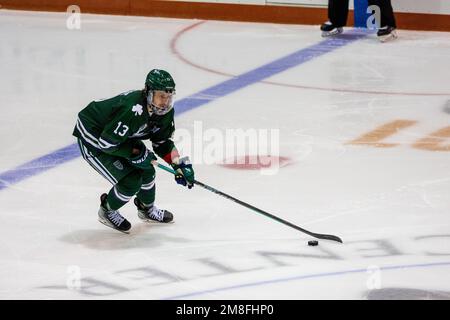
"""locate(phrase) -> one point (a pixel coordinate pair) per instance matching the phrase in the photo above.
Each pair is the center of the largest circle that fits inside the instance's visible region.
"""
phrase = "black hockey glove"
(143, 160)
(184, 173)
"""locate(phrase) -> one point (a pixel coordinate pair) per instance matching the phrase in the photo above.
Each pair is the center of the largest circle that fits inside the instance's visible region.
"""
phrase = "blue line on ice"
(302, 277)
(63, 155)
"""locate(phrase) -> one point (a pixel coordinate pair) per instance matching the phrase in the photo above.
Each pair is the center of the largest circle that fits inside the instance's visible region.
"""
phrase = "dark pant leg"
(387, 13)
(147, 190)
(338, 12)
(127, 180)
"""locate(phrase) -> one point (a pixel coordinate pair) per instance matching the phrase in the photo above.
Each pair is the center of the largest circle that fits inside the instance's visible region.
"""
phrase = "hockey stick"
(220, 193)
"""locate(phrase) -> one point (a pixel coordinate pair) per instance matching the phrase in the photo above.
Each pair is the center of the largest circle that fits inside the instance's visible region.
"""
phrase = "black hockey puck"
(313, 243)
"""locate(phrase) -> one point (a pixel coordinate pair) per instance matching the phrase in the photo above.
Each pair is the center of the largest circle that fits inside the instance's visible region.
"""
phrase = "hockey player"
(110, 134)
(338, 12)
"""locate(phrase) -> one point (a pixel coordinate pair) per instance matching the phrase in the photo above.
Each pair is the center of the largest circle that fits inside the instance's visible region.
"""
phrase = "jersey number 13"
(123, 129)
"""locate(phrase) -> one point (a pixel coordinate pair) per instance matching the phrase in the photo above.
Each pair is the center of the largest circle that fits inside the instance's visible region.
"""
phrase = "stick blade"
(328, 237)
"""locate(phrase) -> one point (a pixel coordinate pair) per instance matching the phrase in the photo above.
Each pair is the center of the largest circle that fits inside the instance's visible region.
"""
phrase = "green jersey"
(113, 125)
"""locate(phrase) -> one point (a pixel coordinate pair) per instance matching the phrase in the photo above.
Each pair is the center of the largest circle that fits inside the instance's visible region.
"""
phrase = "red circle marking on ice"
(255, 162)
(179, 55)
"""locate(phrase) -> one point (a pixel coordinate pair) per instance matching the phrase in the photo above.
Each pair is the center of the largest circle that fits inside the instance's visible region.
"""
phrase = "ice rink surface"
(365, 126)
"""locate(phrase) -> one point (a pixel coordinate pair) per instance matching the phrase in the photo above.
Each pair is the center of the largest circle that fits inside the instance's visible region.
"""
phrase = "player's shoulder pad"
(134, 102)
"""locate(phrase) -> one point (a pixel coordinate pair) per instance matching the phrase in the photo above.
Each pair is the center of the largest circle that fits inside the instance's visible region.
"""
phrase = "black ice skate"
(152, 214)
(329, 29)
(112, 218)
(386, 34)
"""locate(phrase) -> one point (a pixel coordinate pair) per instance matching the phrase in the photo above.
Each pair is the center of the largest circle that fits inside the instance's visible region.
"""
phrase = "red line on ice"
(179, 55)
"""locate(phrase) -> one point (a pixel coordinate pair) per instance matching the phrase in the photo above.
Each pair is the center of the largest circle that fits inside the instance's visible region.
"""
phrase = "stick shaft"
(249, 206)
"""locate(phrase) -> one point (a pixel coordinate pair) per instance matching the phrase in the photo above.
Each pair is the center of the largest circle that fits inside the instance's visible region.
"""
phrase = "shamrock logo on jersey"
(137, 109)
